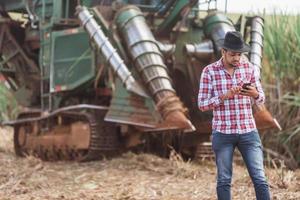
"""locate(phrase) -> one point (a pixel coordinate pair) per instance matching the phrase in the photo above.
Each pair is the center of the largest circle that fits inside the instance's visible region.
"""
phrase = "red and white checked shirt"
(234, 115)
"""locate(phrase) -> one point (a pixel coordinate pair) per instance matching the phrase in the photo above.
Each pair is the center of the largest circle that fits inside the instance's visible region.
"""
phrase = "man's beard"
(233, 65)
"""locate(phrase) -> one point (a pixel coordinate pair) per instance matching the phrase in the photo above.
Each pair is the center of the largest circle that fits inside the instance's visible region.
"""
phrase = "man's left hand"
(250, 91)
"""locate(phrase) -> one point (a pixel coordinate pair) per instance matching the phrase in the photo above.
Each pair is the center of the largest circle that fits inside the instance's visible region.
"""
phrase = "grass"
(282, 73)
(8, 104)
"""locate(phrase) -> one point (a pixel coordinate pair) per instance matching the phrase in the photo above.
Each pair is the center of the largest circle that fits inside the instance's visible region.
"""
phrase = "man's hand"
(230, 93)
(250, 91)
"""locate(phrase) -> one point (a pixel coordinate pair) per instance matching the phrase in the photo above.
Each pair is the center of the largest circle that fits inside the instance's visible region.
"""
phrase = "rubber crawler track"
(104, 140)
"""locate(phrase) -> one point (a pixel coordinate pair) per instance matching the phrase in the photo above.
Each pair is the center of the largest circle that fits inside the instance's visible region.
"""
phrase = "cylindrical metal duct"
(166, 49)
(144, 50)
(262, 117)
(109, 52)
(148, 61)
(203, 51)
(216, 26)
(256, 41)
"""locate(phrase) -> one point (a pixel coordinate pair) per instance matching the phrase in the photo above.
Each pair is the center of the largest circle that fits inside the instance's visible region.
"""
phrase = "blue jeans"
(250, 146)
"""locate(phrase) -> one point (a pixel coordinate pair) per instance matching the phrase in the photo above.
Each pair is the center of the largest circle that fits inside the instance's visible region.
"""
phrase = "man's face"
(231, 58)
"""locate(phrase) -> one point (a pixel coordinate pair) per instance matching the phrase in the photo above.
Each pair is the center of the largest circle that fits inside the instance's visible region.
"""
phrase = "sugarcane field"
(149, 100)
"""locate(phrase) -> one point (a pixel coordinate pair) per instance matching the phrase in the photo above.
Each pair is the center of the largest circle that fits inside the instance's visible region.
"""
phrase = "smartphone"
(245, 85)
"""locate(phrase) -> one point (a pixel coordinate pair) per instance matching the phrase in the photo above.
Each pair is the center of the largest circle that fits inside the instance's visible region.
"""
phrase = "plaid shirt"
(234, 115)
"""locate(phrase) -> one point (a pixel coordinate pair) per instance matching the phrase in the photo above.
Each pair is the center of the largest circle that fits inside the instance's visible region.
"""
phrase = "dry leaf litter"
(128, 177)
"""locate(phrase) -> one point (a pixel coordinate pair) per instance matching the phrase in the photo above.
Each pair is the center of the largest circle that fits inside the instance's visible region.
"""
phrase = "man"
(228, 87)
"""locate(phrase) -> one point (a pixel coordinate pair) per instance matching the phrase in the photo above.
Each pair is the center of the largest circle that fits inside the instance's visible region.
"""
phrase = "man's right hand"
(230, 93)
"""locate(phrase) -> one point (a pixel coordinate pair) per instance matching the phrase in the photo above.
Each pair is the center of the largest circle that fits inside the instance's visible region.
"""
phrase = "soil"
(128, 177)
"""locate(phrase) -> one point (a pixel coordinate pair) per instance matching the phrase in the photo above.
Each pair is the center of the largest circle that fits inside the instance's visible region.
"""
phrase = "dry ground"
(128, 177)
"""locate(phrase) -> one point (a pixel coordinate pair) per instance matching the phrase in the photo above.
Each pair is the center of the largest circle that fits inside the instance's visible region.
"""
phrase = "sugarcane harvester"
(99, 77)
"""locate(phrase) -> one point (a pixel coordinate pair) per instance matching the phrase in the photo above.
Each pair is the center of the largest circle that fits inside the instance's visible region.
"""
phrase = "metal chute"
(256, 41)
(109, 52)
(148, 61)
(263, 117)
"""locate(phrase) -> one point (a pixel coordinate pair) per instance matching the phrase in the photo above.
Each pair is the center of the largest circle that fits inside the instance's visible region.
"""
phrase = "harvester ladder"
(45, 57)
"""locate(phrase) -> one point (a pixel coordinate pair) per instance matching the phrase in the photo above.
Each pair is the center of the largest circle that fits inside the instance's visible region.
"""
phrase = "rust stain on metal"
(76, 135)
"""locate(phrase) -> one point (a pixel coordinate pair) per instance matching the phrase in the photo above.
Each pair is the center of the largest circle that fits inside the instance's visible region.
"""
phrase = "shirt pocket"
(243, 79)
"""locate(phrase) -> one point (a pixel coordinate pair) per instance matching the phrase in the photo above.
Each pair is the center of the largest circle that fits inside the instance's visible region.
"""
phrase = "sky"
(257, 6)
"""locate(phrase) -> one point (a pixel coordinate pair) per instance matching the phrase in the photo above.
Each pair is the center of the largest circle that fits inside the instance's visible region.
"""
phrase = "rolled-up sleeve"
(206, 101)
